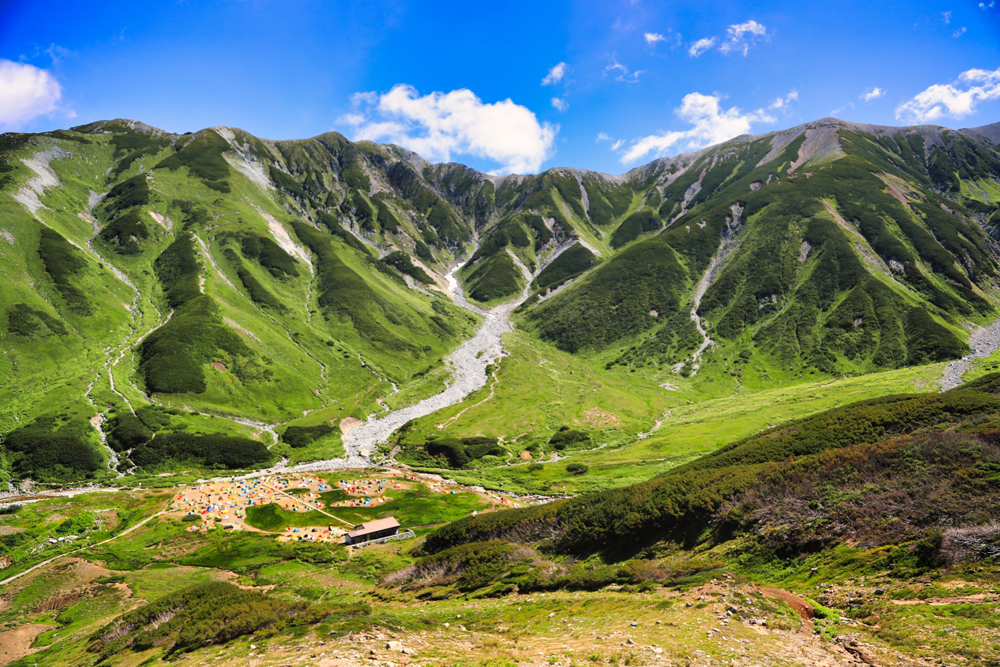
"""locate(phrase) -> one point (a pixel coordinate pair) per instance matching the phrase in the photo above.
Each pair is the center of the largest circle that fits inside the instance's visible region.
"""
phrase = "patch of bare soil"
(597, 418)
(801, 607)
(16, 643)
(348, 424)
(59, 602)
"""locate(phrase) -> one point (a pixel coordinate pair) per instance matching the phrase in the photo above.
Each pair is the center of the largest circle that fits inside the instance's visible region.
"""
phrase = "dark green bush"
(335, 228)
(404, 264)
(571, 263)
(268, 254)
(53, 449)
(303, 436)
(127, 431)
(286, 182)
(125, 232)
(200, 615)
(127, 194)
(640, 222)
(63, 261)
(26, 322)
(494, 278)
(567, 437)
(202, 155)
(212, 450)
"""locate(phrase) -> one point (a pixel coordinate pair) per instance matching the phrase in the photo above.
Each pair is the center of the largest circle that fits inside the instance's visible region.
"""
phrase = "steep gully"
(114, 354)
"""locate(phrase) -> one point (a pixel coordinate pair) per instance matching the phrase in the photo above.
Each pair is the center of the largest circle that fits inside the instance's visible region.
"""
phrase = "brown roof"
(374, 526)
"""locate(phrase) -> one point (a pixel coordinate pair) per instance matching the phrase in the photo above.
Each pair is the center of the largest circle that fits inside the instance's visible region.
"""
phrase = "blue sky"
(504, 86)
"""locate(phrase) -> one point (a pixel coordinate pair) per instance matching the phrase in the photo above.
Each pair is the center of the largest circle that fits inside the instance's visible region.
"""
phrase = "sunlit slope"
(304, 281)
(143, 267)
(827, 249)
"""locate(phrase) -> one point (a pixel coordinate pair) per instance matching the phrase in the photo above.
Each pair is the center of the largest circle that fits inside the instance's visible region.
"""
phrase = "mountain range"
(153, 282)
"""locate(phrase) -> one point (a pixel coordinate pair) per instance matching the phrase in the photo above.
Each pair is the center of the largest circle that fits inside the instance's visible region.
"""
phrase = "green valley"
(741, 403)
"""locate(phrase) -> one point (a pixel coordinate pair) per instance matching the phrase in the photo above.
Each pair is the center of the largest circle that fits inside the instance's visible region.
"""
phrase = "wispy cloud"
(701, 46)
(947, 17)
(621, 72)
(957, 100)
(872, 94)
(983, 5)
(783, 102)
(710, 125)
(842, 108)
(555, 75)
(672, 38)
(439, 125)
(559, 104)
(28, 92)
(741, 36)
(602, 136)
(58, 53)
(958, 33)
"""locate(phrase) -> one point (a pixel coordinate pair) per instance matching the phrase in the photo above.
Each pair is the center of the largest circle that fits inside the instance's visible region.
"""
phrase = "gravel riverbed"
(468, 374)
(984, 341)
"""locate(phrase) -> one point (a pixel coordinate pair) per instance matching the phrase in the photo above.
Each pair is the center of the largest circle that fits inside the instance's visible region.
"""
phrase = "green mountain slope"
(218, 276)
(827, 248)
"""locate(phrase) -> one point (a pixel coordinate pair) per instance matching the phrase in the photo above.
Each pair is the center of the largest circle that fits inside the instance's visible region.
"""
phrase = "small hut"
(372, 530)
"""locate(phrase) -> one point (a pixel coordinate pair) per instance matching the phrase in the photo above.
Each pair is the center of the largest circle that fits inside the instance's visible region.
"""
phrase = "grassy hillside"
(299, 283)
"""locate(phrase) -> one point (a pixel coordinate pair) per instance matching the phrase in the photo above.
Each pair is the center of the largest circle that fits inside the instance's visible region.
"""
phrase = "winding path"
(70, 553)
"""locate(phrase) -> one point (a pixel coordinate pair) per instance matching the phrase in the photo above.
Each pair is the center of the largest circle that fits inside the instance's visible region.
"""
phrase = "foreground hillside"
(861, 535)
(214, 300)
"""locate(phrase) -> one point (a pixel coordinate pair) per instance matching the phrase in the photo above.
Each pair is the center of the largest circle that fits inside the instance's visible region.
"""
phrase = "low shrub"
(200, 615)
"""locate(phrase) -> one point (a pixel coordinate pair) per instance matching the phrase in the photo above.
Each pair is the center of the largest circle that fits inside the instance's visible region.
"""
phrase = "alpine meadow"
(346, 401)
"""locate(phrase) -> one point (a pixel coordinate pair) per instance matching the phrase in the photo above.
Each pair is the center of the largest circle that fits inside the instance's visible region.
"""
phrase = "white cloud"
(559, 104)
(438, 125)
(954, 100)
(710, 125)
(602, 136)
(947, 17)
(740, 36)
(701, 46)
(27, 93)
(959, 32)
(673, 39)
(872, 94)
(555, 75)
(983, 5)
(618, 144)
(783, 102)
(623, 72)
(836, 112)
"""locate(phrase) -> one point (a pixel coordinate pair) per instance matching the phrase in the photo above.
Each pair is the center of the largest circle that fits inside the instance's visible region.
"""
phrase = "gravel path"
(984, 341)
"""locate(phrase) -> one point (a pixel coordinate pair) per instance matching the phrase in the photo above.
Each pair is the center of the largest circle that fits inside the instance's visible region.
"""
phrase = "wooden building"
(372, 530)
